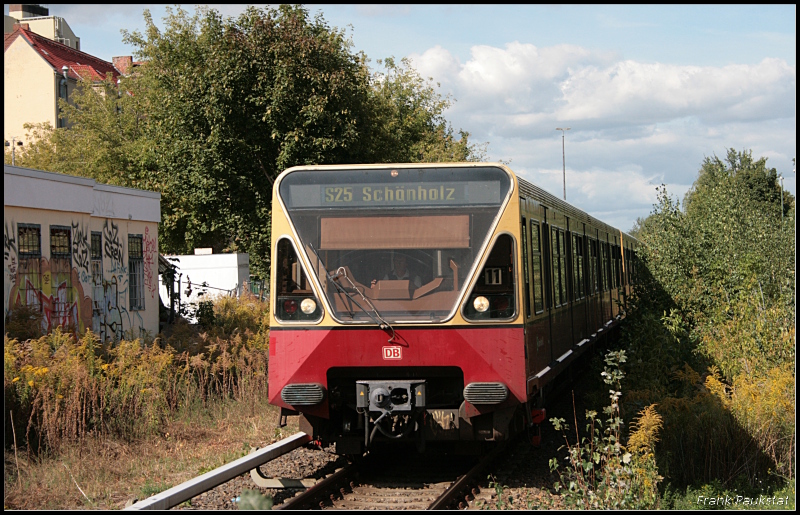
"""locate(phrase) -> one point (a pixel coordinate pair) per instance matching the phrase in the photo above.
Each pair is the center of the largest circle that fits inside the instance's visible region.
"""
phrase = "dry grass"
(91, 425)
(111, 472)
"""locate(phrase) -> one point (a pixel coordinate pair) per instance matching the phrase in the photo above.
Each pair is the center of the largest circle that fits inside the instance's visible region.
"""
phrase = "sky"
(648, 91)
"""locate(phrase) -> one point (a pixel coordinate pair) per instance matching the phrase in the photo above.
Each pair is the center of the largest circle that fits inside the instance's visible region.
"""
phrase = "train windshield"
(399, 241)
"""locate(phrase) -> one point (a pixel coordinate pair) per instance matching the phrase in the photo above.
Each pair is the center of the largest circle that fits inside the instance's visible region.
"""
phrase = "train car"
(430, 302)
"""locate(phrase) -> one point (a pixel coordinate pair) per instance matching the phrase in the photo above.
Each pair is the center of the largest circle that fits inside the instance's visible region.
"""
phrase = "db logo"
(392, 353)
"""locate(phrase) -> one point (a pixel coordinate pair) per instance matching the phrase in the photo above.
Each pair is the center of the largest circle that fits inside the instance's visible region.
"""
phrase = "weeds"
(61, 389)
(602, 473)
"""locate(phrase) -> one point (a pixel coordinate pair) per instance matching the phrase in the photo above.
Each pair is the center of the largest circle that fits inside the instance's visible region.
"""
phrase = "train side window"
(295, 299)
(525, 271)
(593, 270)
(577, 265)
(536, 252)
(493, 295)
(606, 267)
(559, 266)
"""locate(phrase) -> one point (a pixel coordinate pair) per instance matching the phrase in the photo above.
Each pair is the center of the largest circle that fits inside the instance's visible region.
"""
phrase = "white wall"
(222, 273)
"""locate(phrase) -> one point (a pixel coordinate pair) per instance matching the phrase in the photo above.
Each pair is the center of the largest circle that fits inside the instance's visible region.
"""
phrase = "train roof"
(525, 187)
(535, 192)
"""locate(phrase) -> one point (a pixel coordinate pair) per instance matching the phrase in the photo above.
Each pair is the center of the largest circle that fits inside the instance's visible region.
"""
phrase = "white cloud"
(635, 125)
(525, 86)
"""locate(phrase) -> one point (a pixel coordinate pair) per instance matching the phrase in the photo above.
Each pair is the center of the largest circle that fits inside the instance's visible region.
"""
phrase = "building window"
(136, 271)
(61, 275)
(97, 273)
(30, 261)
(62, 93)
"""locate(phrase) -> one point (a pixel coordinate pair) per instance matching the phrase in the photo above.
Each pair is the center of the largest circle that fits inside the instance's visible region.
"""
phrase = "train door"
(561, 325)
(581, 314)
(572, 295)
(605, 287)
(593, 268)
(541, 313)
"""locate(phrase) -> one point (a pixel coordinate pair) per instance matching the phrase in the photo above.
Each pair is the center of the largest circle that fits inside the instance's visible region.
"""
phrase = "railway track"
(393, 481)
(380, 480)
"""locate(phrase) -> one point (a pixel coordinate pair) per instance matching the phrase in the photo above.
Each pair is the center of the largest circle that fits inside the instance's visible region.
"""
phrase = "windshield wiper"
(341, 272)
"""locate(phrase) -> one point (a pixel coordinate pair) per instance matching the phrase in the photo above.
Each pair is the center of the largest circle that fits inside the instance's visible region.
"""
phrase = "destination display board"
(310, 189)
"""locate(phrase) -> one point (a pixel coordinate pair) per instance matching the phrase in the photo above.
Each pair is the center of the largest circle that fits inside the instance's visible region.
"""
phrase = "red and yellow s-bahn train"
(431, 302)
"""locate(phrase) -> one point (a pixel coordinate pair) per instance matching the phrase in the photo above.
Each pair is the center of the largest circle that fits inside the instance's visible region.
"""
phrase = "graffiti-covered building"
(84, 254)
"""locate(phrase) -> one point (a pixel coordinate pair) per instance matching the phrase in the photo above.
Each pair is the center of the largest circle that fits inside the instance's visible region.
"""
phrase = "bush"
(24, 322)
(711, 335)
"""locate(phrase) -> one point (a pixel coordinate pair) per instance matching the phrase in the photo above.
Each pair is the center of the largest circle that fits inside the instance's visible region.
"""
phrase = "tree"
(719, 340)
(726, 251)
(409, 124)
(107, 137)
(759, 183)
(234, 103)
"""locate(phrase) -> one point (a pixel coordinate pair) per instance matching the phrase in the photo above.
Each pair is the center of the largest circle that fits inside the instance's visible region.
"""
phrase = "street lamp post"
(563, 159)
(14, 143)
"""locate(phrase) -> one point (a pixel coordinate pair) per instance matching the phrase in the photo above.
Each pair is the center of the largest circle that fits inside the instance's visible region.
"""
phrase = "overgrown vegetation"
(711, 336)
(59, 390)
(710, 341)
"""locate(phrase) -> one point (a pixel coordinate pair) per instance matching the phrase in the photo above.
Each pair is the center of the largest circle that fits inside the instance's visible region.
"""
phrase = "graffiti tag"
(112, 245)
(80, 246)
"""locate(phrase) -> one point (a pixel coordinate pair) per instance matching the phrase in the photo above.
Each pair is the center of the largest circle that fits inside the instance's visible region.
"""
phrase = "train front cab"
(515, 289)
(365, 357)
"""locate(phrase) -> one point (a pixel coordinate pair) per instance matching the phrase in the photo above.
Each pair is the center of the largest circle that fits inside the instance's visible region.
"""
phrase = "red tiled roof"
(80, 64)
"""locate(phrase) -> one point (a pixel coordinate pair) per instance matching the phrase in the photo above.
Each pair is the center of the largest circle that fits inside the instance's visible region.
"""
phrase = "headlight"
(308, 306)
(481, 304)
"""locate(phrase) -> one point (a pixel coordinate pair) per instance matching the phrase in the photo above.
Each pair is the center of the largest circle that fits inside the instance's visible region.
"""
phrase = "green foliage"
(108, 137)
(205, 313)
(717, 294)
(235, 102)
(602, 473)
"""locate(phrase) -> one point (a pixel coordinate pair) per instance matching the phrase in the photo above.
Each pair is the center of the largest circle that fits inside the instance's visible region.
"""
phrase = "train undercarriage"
(421, 408)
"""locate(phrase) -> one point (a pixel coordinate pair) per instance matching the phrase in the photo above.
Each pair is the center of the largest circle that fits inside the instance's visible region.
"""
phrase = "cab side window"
(493, 296)
(295, 299)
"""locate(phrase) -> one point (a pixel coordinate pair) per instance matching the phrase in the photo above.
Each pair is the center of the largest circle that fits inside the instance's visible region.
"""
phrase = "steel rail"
(450, 496)
(194, 487)
(320, 492)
